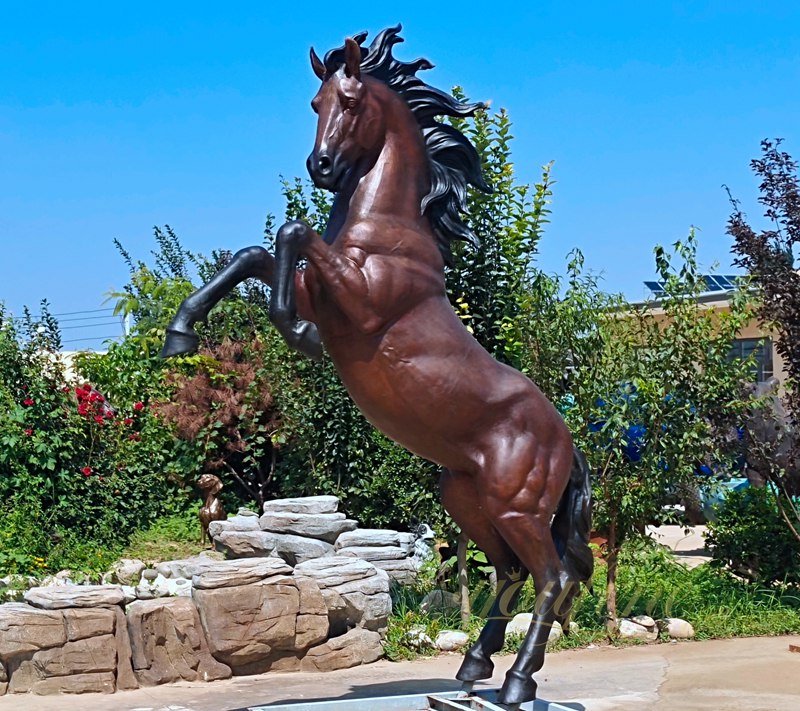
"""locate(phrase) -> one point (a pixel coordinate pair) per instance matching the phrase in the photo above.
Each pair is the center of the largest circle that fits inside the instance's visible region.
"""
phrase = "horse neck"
(395, 184)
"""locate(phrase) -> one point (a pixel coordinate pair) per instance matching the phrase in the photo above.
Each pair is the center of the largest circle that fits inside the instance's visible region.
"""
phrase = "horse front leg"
(250, 262)
(299, 333)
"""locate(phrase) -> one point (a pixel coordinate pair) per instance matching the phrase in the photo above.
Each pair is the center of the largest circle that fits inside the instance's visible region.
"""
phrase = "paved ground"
(756, 674)
(689, 548)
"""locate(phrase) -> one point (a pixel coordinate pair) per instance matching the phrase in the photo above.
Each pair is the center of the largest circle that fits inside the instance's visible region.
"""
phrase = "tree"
(770, 257)
(660, 398)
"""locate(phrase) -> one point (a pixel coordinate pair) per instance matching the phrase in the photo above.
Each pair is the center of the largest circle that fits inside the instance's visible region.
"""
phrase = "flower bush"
(71, 463)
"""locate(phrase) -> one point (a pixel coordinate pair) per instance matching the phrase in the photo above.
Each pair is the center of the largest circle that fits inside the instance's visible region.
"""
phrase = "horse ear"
(317, 65)
(352, 59)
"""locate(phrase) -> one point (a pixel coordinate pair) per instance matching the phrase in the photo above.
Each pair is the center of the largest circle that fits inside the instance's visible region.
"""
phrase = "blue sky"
(114, 119)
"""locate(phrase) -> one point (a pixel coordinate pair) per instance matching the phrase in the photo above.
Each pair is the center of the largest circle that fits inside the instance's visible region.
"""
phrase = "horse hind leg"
(520, 501)
(459, 497)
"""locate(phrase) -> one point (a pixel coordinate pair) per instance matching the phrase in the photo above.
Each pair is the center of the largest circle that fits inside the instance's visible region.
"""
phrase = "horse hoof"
(305, 338)
(179, 343)
(475, 667)
(517, 689)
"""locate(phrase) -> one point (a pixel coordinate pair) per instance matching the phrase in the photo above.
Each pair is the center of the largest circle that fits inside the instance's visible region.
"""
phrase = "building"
(753, 340)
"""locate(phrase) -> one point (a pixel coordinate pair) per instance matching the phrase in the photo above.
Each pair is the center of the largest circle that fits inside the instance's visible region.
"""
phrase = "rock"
(230, 573)
(189, 567)
(25, 630)
(127, 571)
(125, 677)
(84, 623)
(255, 626)
(179, 587)
(312, 627)
(627, 629)
(418, 638)
(373, 553)
(128, 593)
(355, 592)
(644, 621)
(358, 646)
(298, 549)
(239, 523)
(245, 544)
(62, 577)
(406, 541)
(451, 640)
(168, 643)
(573, 627)
(57, 598)
(519, 624)
(304, 505)
(84, 656)
(330, 572)
(325, 526)
(403, 572)
(676, 628)
(244, 511)
(440, 601)
(556, 632)
(152, 586)
(3, 679)
(368, 537)
(96, 682)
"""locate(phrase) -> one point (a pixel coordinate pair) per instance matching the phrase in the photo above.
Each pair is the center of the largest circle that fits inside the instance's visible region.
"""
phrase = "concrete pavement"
(753, 674)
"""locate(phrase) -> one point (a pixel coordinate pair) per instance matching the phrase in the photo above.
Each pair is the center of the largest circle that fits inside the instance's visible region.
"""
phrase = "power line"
(91, 325)
(92, 338)
(67, 313)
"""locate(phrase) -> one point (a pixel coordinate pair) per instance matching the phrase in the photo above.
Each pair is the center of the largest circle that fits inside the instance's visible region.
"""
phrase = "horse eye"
(350, 103)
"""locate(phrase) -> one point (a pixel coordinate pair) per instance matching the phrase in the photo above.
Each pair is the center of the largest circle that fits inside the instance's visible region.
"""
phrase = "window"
(760, 349)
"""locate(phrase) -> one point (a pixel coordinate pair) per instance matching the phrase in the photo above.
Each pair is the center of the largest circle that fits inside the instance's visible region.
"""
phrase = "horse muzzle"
(326, 171)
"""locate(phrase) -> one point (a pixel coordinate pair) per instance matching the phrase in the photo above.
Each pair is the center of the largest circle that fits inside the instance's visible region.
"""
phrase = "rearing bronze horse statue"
(373, 294)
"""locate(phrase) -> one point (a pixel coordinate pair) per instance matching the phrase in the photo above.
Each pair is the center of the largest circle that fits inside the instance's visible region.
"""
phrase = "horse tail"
(572, 524)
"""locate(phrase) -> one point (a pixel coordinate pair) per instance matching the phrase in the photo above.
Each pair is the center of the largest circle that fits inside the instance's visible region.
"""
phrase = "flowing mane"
(454, 162)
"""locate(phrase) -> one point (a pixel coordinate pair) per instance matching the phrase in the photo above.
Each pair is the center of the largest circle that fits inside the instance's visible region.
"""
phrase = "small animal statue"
(371, 294)
(212, 509)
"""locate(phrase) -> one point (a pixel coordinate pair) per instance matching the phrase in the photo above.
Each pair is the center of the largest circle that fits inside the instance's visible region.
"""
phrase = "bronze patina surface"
(373, 297)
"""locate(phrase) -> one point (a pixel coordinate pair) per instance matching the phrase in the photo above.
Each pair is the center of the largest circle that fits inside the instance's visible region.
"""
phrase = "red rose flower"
(86, 471)
(138, 406)
(98, 419)
(128, 421)
(135, 436)
(29, 432)
(27, 402)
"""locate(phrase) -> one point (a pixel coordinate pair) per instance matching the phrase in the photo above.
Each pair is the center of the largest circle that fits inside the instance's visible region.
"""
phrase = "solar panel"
(655, 286)
(713, 283)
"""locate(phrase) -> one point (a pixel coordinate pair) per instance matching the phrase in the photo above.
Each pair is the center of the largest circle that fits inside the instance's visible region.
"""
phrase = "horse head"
(351, 124)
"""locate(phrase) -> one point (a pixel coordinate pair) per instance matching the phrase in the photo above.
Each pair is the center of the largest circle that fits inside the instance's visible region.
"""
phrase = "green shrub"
(751, 538)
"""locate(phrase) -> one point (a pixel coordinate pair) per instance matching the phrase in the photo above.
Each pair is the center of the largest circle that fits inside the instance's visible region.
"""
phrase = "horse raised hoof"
(517, 689)
(179, 343)
(304, 337)
(476, 666)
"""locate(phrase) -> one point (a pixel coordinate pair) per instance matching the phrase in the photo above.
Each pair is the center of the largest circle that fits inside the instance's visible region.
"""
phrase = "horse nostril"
(324, 163)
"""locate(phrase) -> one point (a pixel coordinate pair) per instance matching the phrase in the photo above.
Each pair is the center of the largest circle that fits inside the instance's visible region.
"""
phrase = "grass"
(169, 538)
(651, 581)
